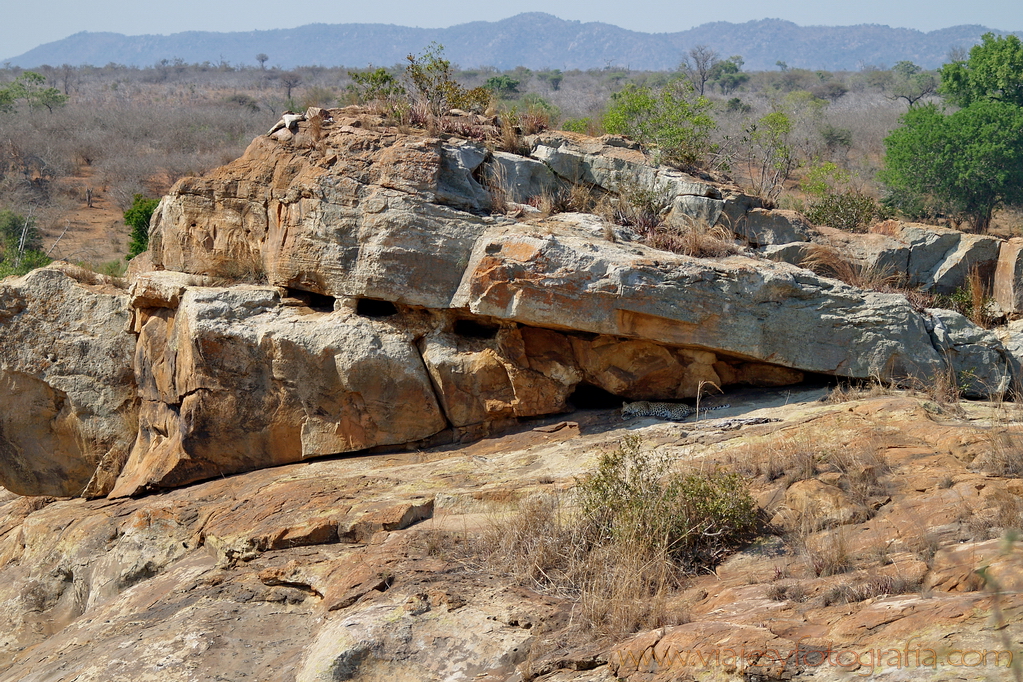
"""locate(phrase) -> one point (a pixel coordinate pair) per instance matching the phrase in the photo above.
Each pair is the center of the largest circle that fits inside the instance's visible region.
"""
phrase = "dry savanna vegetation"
(79, 143)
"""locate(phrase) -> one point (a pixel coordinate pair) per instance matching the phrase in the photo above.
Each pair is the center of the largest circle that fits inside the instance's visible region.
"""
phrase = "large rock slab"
(233, 380)
(940, 258)
(754, 311)
(67, 394)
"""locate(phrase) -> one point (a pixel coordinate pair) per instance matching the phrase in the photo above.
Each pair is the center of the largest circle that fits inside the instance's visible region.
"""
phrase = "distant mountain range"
(534, 40)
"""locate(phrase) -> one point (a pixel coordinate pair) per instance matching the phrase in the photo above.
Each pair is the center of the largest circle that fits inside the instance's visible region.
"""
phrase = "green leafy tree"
(31, 87)
(966, 164)
(137, 218)
(673, 119)
(911, 83)
(994, 71)
(728, 75)
(502, 86)
(552, 77)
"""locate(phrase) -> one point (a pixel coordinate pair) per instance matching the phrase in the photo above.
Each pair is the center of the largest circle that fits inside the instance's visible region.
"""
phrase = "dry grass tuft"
(1003, 454)
(829, 262)
(825, 553)
(868, 588)
(862, 469)
(698, 240)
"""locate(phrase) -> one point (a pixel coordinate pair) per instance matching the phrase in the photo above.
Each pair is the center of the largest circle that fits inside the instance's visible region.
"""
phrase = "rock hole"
(370, 307)
(589, 397)
(472, 329)
(321, 303)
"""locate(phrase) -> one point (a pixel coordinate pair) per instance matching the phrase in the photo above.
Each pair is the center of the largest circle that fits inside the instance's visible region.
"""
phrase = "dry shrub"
(800, 456)
(624, 542)
(828, 261)
(868, 588)
(535, 120)
(511, 137)
(1003, 454)
(579, 198)
(698, 240)
(1009, 513)
(825, 553)
(944, 390)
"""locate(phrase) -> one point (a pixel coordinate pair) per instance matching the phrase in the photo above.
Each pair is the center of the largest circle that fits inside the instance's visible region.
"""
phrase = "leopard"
(668, 411)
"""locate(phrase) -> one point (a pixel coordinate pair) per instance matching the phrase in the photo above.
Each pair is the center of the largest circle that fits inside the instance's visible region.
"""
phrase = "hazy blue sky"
(28, 24)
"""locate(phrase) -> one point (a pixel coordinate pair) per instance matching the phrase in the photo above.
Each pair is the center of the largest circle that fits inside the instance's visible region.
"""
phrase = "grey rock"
(982, 366)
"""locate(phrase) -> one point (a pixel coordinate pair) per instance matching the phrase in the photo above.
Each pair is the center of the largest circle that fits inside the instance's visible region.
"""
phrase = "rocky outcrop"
(346, 287)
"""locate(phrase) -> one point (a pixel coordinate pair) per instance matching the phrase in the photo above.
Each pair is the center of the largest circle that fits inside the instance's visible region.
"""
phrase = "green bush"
(578, 125)
(673, 119)
(432, 84)
(694, 519)
(137, 218)
(848, 210)
(376, 85)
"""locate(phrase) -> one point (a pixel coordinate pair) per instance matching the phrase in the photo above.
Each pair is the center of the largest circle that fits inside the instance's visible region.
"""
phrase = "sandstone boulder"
(231, 380)
(67, 395)
(763, 227)
(1008, 278)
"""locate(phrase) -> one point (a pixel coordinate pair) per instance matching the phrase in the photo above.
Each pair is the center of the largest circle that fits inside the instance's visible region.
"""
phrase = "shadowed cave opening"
(589, 397)
(371, 307)
(472, 329)
(321, 303)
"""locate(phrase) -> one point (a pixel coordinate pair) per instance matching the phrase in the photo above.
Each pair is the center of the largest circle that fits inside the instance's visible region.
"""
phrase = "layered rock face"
(344, 286)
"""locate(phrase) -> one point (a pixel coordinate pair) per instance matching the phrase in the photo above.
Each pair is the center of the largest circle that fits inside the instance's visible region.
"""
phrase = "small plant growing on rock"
(623, 544)
(137, 218)
(431, 83)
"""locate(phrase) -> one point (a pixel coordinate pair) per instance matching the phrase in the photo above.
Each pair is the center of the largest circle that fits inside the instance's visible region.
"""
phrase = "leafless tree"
(698, 63)
(957, 53)
(290, 80)
(261, 58)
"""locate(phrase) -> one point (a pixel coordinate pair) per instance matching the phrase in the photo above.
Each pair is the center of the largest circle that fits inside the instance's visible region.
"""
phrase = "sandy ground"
(93, 236)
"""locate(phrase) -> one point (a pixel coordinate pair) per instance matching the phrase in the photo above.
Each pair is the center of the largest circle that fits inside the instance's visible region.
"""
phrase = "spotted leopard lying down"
(669, 411)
